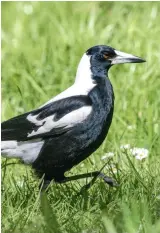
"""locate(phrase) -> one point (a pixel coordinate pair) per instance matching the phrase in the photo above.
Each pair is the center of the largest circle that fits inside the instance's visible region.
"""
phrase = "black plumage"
(71, 126)
(64, 152)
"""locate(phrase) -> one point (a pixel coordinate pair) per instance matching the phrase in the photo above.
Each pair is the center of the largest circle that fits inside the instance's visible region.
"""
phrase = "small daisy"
(125, 147)
(139, 153)
(107, 155)
(114, 169)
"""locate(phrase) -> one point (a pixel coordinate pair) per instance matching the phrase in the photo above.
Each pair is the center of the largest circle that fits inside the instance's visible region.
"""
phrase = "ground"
(42, 43)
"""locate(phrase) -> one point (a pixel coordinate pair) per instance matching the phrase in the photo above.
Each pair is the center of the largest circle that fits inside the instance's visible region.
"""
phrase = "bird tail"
(8, 148)
(28, 151)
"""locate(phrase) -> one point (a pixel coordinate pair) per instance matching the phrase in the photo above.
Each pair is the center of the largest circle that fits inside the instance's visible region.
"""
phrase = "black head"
(102, 57)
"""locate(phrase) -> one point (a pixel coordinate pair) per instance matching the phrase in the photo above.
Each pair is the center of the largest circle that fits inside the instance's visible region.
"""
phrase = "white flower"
(125, 147)
(139, 153)
(107, 155)
(114, 169)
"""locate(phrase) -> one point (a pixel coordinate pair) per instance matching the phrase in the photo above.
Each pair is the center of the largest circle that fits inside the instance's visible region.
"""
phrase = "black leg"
(44, 183)
(95, 175)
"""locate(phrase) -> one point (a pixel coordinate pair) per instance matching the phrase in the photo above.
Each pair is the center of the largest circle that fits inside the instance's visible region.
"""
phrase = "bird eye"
(106, 55)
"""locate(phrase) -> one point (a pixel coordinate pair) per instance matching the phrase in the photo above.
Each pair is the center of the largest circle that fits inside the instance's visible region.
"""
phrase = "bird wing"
(51, 119)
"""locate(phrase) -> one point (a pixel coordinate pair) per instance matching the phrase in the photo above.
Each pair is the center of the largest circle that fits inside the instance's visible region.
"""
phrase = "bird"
(68, 128)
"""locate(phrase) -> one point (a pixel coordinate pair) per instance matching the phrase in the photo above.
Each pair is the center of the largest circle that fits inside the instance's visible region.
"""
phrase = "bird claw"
(110, 181)
(106, 179)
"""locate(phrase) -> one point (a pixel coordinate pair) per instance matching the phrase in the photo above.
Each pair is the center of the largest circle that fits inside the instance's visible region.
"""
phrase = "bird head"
(98, 59)
(104, 56)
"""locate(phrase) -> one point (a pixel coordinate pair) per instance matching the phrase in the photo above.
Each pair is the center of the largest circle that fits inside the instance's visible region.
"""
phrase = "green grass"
(40, 53)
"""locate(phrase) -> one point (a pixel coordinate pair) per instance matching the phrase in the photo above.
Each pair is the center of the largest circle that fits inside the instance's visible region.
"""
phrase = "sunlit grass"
(42, 43)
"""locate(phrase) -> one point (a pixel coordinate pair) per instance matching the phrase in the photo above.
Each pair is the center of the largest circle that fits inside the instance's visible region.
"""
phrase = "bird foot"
(106, 179)
(110, 181)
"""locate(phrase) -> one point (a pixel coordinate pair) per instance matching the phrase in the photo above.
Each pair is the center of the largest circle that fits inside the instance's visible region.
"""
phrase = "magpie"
(72, 125)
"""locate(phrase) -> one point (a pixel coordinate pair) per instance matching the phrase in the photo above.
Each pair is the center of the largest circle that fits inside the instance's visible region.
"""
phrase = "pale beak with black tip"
(121, 58)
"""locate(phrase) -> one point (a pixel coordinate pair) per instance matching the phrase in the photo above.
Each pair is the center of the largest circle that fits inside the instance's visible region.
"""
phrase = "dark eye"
(106, 55)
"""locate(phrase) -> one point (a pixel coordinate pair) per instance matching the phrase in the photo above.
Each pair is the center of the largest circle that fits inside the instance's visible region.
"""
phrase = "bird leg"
(44, 184)
(95, 175)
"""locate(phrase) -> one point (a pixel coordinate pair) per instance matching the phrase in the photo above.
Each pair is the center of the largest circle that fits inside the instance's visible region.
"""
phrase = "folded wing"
(50, 120)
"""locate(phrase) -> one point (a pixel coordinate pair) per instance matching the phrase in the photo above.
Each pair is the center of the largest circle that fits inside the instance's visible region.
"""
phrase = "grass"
(42, 43)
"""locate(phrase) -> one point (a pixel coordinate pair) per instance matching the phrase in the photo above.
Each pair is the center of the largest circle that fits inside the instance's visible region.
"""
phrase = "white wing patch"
(69, 120)
(28, 151)
(32, 118)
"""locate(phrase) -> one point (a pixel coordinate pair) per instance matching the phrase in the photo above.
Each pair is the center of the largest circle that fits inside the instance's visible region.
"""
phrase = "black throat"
(102, 98)
(102, 94)
(99, 70)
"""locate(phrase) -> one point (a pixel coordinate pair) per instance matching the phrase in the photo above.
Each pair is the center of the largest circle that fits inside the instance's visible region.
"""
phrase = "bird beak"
(121, 58)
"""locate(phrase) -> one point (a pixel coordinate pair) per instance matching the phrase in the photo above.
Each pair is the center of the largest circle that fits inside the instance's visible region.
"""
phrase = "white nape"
(67, 121)
(83, 82)
(28, 151)
(84, 74)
